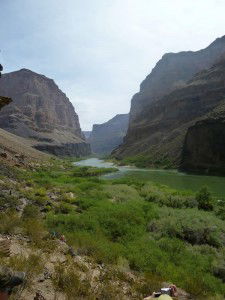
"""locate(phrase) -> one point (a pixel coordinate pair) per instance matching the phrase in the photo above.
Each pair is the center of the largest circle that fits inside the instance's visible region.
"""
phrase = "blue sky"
(99, 51)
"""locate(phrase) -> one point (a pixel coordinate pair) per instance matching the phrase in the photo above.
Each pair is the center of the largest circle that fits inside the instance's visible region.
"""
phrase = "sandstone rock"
(41, 112)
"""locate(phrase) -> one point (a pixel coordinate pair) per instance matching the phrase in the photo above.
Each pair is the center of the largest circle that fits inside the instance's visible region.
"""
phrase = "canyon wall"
(181, 89)
(41, 112)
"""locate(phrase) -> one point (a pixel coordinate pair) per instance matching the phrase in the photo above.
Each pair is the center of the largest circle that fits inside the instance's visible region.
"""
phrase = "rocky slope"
(170, 100)
(41, 112)
(15, 150)
(107, 136)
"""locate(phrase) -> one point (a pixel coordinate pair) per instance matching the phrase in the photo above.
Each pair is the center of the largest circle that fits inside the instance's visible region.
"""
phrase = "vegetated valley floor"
(128, 236)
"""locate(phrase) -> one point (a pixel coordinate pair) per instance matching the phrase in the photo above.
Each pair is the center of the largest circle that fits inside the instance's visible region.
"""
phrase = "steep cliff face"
(170, 73)
(170, 99)
(107, 136)
(204, 146)
(41, 111)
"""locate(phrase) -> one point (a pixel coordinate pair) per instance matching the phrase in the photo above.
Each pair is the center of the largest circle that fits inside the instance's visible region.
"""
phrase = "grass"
(165, 234)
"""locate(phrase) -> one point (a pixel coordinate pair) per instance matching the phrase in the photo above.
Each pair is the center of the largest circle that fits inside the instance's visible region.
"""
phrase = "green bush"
(168, 197)
(204, 199)
(220, 211)
(190, 225)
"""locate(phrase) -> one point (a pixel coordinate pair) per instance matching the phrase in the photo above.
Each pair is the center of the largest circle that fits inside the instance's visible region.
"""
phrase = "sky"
(99, 51)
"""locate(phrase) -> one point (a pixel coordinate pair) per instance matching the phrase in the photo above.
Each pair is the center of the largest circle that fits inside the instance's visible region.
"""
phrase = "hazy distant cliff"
(171, 99)
(41, 111)
(107, 136)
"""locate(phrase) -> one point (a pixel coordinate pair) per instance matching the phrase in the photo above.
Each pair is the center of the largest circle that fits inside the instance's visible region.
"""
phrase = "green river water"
(171, 178)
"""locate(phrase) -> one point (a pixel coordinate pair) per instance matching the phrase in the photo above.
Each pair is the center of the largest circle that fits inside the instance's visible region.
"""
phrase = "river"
(171, 178)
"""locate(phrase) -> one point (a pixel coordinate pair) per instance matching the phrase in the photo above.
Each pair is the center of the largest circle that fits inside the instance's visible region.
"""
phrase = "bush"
(204, 199)
(35, 230)
(64, 208)
(168, 197)
(31, 212)
(190, 225)
(220, 211)
(122, 193)
(10, 223)
(32, 265)
(67, 279)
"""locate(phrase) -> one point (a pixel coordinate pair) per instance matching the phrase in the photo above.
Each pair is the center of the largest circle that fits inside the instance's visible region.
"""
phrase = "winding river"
(171, 178)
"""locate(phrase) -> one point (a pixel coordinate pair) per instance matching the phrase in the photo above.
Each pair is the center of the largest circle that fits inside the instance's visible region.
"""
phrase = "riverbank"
(171, 178)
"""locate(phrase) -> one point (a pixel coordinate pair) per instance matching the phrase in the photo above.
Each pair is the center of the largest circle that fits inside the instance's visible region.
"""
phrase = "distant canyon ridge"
(107, 136)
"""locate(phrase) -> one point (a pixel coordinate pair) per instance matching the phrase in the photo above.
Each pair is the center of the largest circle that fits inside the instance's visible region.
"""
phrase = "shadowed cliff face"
(204, 146)
(170, 102)
(107, 136)
(41, 112)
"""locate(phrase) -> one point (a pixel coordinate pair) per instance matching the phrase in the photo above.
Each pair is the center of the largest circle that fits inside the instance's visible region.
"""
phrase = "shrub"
(64, 208)
(122, 193)
(204, 199)
(191, 225)
(31, 265)
(67, 279)
(168, 197)
(31, 211)
(220, 211)
(10, 223)
(35, 230)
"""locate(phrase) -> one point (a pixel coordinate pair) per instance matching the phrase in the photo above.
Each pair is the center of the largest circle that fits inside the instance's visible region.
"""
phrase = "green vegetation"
(148, 160)
(163, 234)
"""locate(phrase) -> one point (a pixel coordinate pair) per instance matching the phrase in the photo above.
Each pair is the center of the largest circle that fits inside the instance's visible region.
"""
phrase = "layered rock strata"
(41, 112)
(180, 90)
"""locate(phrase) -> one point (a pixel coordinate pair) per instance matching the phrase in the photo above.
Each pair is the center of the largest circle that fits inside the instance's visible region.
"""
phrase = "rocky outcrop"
(41, 112)
(171, 99)
(68, 149)
(107, 136)
(4, 101)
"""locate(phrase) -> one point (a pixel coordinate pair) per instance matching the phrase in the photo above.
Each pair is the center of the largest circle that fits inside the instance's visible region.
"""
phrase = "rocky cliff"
(107, 136)
(41, 112)
(204, 146)
(170, 100)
